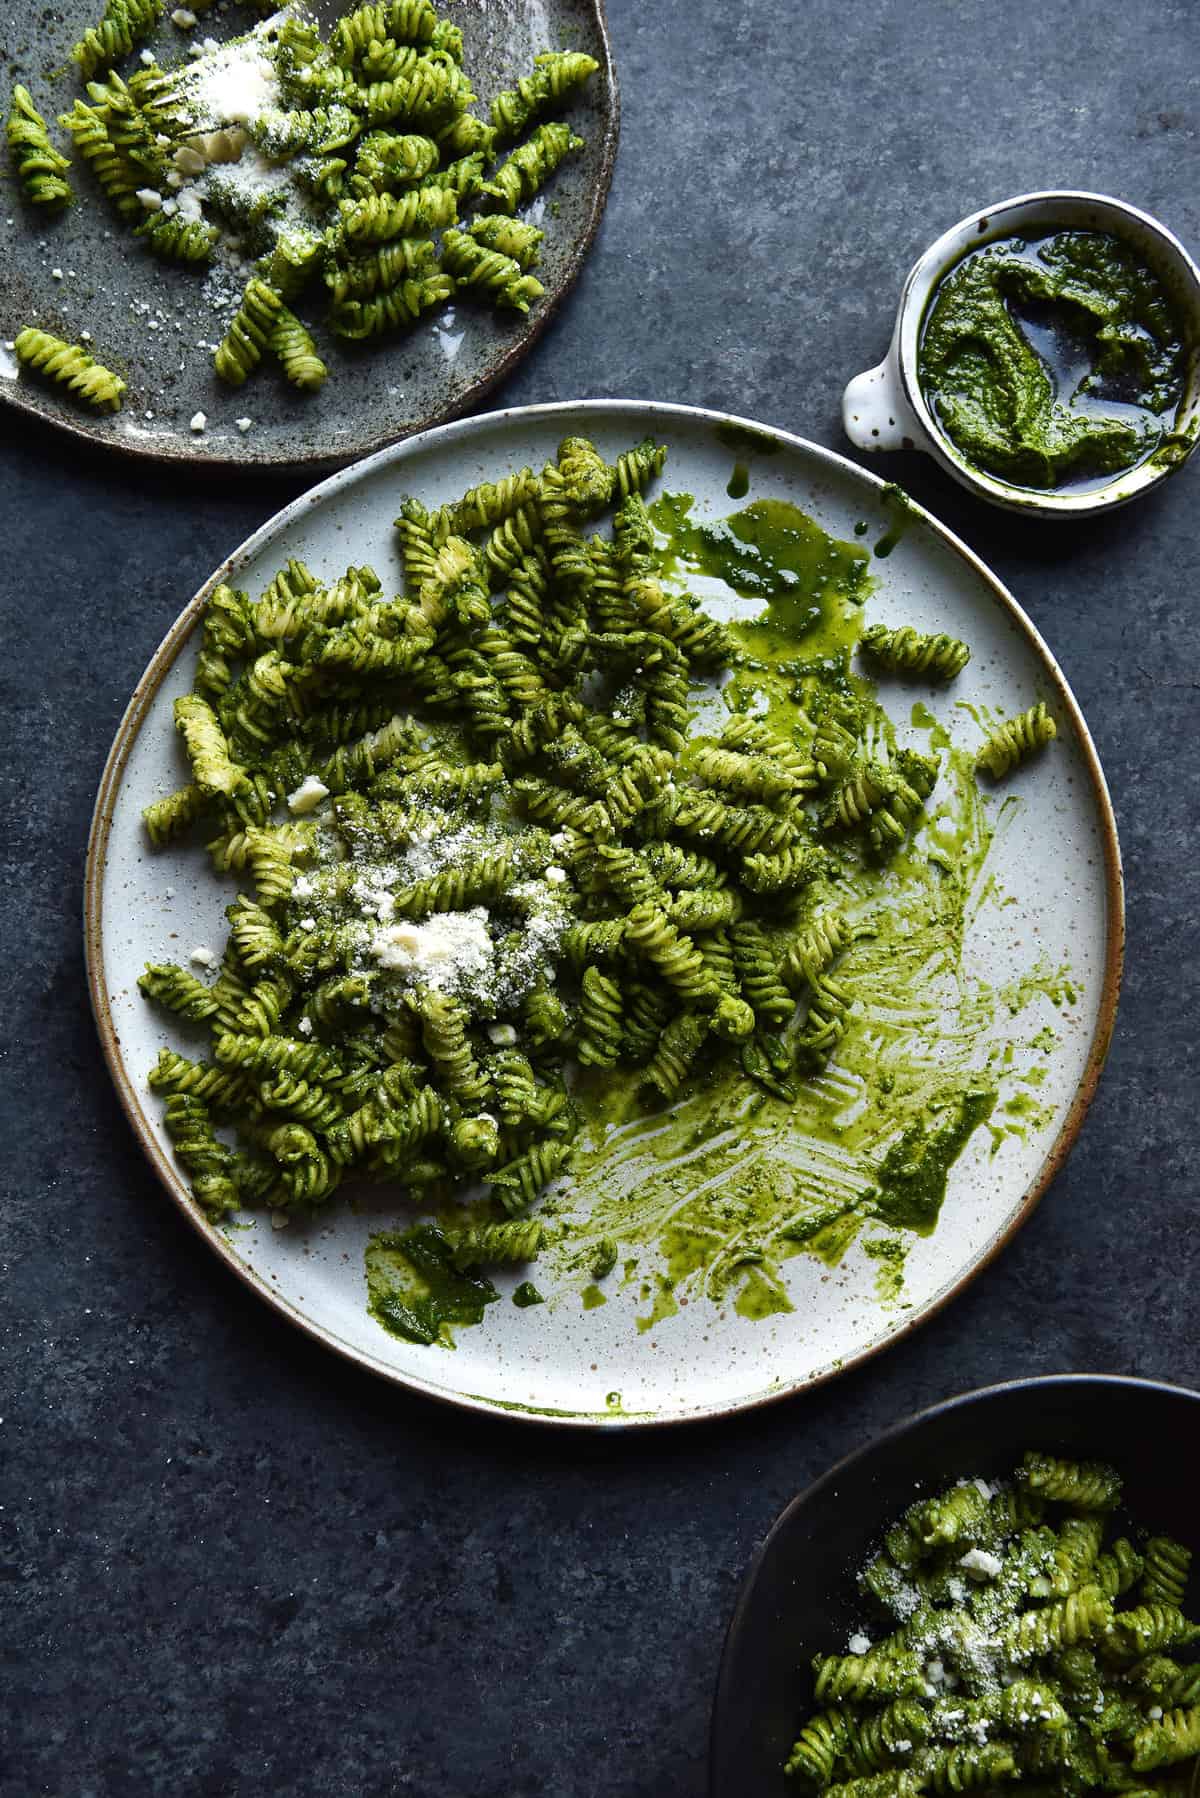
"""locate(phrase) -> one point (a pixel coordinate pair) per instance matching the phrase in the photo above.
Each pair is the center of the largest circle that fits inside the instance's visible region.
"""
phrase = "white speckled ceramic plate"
(151, 322)
(1047, 898)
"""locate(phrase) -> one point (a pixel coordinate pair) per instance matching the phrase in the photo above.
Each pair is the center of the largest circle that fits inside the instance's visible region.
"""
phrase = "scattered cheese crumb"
(151, 198)
(307, 796)
(305, 1026)
(503, 1035)
(203, 956)
(554, 876)
(57, 273)
(858, 1644)
(243, 424)
(199, 420)
(183, 18)
(980, 1564)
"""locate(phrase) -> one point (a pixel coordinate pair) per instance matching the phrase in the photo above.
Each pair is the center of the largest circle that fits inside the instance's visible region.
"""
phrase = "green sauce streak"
(912, 1177)
(414, 1289)
(902, 512)
(890, 1253)
(922, 718)
(665, 1304)
(739, 481)
(1054, 361)
(743, 440)
(1054, 984)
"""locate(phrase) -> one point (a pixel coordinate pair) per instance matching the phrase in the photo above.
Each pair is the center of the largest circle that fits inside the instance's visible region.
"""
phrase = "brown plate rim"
(163, 660)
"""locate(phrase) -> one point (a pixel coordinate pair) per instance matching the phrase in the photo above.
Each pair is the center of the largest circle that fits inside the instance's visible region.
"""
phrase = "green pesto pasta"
(71, 366)
(1005, 1658)
(39, 166)
(910, 652)
(1015, 740)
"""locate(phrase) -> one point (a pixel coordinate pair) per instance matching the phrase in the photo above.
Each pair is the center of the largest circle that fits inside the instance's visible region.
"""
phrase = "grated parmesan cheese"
(449, 951)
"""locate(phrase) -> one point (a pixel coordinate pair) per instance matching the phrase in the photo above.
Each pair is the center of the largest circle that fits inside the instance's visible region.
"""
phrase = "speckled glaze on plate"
(113, 287)
(1059, 873)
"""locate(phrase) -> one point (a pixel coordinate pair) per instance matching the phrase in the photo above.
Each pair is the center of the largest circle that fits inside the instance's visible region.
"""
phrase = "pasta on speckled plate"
(515, 884)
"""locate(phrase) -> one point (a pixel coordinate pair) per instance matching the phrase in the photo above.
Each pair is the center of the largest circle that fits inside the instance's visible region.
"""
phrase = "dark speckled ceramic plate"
(151, 322)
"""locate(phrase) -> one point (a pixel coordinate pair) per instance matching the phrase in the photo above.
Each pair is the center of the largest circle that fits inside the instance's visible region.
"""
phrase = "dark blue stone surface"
(231, 1564)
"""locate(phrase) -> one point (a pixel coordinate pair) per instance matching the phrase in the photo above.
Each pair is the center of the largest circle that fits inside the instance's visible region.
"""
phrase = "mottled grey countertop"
(234, 1565)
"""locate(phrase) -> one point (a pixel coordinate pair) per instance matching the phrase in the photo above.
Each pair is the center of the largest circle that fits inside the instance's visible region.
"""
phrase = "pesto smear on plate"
(1053, 361)
(709, 1195)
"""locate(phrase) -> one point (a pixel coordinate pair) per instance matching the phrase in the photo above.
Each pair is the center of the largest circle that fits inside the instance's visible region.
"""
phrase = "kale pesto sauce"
(708, 1196)
(1055, 361)
(711, 1183)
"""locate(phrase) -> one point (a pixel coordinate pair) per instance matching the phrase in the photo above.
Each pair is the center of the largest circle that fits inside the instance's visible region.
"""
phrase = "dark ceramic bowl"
(800, 1596)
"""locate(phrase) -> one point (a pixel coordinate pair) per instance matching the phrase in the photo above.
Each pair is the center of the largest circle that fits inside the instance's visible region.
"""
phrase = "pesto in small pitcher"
(1054, 361)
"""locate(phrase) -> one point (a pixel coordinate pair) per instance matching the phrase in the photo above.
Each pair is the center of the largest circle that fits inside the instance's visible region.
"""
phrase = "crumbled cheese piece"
(203, 956)
(308, 923)
(85, 337)
(303, 887)
(980, 1564)
(983, 1489)
(554, 876)
(198, 421)
(146, 56)
(307, 796)
(503, 1035)
(151, 198)
(305, 1026)
(183, 18)
(450, 950)
(1155, 1712)
(170, 892)
(858, 1644)
(189, 161)
(243, 424)
(57, 273)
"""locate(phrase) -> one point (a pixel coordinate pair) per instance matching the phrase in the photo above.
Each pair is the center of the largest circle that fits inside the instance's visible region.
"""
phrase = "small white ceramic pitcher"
(884, 409)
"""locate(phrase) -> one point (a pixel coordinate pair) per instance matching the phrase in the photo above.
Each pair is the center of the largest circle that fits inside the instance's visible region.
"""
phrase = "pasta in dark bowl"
(1000, 1590)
